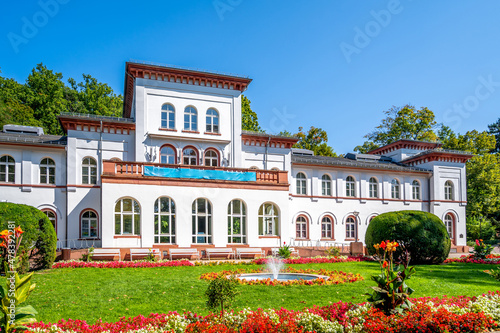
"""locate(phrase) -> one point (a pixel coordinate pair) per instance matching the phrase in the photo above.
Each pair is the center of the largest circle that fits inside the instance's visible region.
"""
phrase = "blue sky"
(330, 64)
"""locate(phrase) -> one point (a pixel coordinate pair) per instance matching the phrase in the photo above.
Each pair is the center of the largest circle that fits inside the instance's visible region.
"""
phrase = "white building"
(177, 170)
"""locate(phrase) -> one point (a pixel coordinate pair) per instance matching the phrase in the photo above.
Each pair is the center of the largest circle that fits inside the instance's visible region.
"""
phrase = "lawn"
(93, 293)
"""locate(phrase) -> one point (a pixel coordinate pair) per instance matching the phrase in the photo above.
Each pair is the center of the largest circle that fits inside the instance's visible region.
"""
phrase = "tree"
(402, 123)
(472, 141)
(316, 140)
(495, 130)
(249, 121)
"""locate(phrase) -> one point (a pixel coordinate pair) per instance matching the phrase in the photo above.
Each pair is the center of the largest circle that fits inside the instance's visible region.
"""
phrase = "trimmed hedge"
(39, 238)
(423, 234)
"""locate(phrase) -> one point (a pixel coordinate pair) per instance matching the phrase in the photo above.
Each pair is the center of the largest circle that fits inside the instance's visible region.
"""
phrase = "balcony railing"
(136, 170)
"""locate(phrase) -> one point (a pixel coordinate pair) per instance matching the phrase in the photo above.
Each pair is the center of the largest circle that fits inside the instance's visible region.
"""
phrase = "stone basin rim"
(324, 277)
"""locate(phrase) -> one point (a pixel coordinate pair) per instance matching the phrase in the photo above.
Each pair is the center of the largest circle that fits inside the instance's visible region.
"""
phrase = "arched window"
(373, 187)
(326, 185)
(327, 227)
(275, 169)
(415, 190)
(301, 227)
(395, 189)
(190, 119)
(237, 222)
(88, 224)
(301, 184)
(254, 168)
(449, 222)
(448, 190)
(190, 156)
(89, 171)
(202, 221)
(115, 159)
(167, 116)
(52, 217)
(350, 187)
(212, 121)
(350, 228)
(168, 155)
(164, 221)
(7, 169)
(211, 158)
(47, 171)
(127, 217)
(268, 220)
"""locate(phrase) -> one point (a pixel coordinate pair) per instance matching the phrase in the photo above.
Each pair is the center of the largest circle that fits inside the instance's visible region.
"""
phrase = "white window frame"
(91, 222)
(213, 161)
(135, 214)
(212, 125)
(325, 222)
(197, 215)
(373, 187)
(167, 116)
(448, 190)
(47, 171)
(190, 158)
(350, 187)
(326, 185)
(232, 218)
(190, 119)
(415, 190)
(89, 170)
(166, 157)
(449, 222)
(7, 169)
(301, 227)
(268, 221)
(161, 237)
(301, 183)
(350, 227)
(395, 189)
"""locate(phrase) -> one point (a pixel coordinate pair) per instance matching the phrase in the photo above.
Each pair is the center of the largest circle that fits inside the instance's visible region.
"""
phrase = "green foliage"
(39, 238)
(88, 256)
(220, 292)
(44, 96)
(402, 123)
(249, 121)
(481, 250)
(472, 141)
(366, 147)
(480, 228)
(151, 257)
(284, 251)
(423, 235)
(494, 273)
(332, 251)
(316, 140)
(391, 293)
(494, 129)
(13, 297)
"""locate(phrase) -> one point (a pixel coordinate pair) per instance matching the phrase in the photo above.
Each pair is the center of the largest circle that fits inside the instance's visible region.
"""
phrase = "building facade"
(178, 171)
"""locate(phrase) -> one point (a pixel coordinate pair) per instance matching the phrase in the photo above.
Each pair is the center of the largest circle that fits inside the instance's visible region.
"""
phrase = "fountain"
(275, 265)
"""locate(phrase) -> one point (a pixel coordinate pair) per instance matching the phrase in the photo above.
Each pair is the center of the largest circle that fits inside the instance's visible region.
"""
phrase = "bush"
(422, 235)
(332, 251)
(221, 291)
(39, 239)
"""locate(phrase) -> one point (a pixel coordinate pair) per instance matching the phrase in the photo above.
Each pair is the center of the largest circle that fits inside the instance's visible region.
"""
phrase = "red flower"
(384, 265)
(383, 245)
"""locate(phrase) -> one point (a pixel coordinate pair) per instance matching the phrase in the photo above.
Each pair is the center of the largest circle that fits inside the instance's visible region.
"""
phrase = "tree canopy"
(44, 96)
(249, 121)
(495, 130)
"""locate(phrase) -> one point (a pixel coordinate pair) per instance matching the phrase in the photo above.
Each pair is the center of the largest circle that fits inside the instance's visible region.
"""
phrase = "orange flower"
(376, 246)
(18, 231)
(396, 244)
(383, 245)
(384, 265)
(3, 244)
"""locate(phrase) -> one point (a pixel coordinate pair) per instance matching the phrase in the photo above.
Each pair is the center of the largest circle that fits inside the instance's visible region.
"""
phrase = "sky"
(331, 64)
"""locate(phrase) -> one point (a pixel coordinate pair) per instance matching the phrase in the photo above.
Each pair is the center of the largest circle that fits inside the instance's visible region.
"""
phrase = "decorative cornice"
(260, 140)
(94, 125)
(177, 75)
(405, 144)
(437, 156)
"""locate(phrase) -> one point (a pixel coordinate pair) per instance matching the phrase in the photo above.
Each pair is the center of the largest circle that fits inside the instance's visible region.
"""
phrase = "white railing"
(320, 244)
(78, 243)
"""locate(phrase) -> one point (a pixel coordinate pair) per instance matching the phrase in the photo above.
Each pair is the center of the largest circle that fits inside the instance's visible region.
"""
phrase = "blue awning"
(199, 174)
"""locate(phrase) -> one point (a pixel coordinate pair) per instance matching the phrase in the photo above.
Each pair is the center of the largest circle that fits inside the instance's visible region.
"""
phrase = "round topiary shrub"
(422, 234)
(39, 240)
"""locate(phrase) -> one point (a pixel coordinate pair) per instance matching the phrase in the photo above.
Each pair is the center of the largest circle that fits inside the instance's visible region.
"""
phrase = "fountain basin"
(280, 276)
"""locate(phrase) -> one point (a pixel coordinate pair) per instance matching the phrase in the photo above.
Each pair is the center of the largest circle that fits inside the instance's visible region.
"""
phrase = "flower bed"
(334, 277)
(121, 264)
(470, 259)
(447, 314)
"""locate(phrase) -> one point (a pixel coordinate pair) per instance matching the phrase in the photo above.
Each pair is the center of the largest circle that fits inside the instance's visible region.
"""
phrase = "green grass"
(92, 293)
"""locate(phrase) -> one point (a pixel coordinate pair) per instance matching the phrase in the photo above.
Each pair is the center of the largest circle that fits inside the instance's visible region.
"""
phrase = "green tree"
(495, 130)
(401, 123)
(249, 121)
(472, 141)
(316, 140)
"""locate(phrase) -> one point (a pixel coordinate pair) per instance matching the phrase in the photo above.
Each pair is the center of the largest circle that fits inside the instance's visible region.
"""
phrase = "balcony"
(148, 172)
